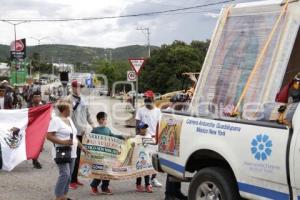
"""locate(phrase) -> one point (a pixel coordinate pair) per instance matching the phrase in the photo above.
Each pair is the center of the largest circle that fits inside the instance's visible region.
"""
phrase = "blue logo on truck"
(261, 147)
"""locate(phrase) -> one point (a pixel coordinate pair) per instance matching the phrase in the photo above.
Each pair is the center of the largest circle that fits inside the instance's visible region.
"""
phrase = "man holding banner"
(81, 117)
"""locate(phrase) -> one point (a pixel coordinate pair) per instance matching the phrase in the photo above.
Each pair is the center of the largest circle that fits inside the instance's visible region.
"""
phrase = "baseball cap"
(76, 84)
(142, 125)
(149, 94)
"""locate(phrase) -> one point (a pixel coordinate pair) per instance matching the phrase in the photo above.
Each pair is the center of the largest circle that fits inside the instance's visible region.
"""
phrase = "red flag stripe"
(38, 122)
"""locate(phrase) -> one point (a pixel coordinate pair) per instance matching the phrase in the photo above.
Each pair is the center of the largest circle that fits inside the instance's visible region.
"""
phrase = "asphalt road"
(27, 183)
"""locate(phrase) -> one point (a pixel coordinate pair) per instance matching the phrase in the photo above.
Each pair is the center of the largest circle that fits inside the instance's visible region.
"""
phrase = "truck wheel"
(213, 183)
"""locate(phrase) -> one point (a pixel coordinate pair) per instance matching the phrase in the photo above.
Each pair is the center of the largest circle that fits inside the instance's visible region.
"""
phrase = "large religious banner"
(236, 50)
(115, 159)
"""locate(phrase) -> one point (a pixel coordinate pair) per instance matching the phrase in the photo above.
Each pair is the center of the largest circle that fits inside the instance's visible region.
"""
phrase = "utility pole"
(147, 30)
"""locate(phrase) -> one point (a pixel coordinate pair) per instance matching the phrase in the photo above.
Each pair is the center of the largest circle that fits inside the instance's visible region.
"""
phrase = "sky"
(195, 24)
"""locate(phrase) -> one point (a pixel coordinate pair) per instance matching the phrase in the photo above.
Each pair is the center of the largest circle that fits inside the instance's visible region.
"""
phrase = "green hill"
(75, 54)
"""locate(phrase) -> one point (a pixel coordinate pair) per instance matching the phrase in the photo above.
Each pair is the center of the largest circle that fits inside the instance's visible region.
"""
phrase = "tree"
(35, 61)
(114, 71)
(38, 65)
(163, 71)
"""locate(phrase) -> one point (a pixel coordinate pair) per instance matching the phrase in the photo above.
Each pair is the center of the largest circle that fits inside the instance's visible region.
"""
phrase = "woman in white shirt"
(62, 133)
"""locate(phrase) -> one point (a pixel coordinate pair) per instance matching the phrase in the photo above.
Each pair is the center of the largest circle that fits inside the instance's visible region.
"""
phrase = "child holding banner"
(146, 138)
(103, 130)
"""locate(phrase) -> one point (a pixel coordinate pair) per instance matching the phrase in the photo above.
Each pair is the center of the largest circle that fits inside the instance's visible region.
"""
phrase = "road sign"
(137, 64)
(18, 49)
(131, 76)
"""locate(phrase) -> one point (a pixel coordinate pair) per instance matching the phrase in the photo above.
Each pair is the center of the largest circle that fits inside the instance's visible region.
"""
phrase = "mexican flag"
(22, 134)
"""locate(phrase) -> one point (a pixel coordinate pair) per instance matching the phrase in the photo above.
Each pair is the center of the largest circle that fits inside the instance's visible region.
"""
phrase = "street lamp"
(15, 33)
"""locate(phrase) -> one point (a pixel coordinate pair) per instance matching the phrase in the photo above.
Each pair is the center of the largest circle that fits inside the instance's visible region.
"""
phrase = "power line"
(115, 17)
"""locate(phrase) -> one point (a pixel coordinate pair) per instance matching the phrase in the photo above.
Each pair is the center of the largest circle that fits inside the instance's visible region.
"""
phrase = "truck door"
(294, 160)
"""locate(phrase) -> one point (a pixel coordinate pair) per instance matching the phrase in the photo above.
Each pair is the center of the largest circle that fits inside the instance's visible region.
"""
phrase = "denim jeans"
(64, 178)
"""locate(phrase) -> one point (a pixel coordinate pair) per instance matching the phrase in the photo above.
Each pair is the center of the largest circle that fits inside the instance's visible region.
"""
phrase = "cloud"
(196, 24)
(23, 8)
(165, 28)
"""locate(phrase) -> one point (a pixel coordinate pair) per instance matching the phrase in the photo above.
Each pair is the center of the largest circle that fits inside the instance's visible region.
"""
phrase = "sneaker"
(79, 183)
(73, 186)
(156, 183)
(94, 191)
(149, 189)
(107, 191)
(140, 188)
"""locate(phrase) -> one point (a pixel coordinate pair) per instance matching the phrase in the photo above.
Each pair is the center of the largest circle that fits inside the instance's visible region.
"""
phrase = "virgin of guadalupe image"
(168, 139)
(238, 62)
(172, 139)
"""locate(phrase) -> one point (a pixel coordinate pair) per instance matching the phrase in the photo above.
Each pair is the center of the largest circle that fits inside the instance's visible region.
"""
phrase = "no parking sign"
(131, 76)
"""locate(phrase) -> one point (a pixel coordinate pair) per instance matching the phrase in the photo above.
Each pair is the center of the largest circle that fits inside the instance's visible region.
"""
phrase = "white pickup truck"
(255, 48)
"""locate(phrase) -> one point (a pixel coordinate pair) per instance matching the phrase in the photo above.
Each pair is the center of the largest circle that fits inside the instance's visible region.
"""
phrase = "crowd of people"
(55, 93)
(12, 98)
(68, 126)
